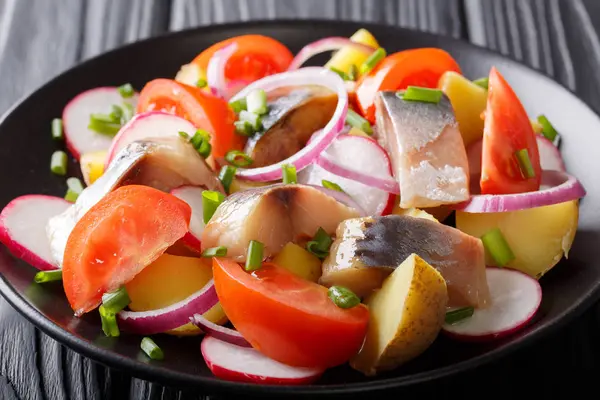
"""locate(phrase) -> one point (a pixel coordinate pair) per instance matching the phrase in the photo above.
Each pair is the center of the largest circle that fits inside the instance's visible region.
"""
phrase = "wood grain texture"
(41, 38)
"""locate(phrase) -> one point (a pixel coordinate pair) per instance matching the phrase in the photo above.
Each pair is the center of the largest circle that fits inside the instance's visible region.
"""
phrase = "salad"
(299, 218)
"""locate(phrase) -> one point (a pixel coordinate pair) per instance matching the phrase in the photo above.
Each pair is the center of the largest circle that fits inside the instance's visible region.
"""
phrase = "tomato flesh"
(119, 236)
(287, 318)
(507, 129)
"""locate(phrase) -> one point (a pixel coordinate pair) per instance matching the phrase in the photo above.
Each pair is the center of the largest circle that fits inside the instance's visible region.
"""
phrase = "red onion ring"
(171, 317)
(557, 187)
(220, 332)
(215, 72)
(342, 197)
(323, 45)
(305, 76)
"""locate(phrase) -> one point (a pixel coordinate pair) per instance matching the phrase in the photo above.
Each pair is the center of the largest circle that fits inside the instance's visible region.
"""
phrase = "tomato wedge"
(417, 67)
(287, 318)
(507, 129)
(202, 109)
(119, 236)
(256, 56)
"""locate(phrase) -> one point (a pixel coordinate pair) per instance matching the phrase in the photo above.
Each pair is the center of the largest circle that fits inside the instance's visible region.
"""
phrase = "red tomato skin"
(283, 332)
(507, 129)
(119, 236)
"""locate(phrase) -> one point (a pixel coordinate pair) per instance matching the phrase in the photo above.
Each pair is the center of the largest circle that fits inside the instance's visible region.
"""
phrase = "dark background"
(41, 38)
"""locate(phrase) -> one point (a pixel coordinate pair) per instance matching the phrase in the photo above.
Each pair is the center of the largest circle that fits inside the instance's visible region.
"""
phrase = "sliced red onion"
(556, 187)
(220, 332)
(323, 45)
(215, 72)
(305, 76)
(342, 197)
(171, 317)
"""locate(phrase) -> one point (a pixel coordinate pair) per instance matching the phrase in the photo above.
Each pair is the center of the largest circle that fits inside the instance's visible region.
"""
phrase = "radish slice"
(515, 299)
(76, 118)
(193, 197)
(152, 124)
(23, 228)
(219, 332)
(242, 364)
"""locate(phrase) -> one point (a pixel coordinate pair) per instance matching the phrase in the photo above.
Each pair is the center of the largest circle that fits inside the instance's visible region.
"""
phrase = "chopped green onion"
(220, 251)
(127, 112)
(243, 128)
(547, 129)
(454, 316)
(256, 102)
(355, 120)
(109, 322)
(239, 105)
(74, 189)
(71, 196)
(57, 129)
(58, 163)
(497, 247)
(373, 60)
(151, 349)
(201, 83)
(210, 201)
(104, 124)
(238, 158)
(201, 142)
(331, 185)
(226, 176)
(425, 95)
(184, 135)
(320, 244)
(343, 297)
(353, 72)
(483, 82)
(116, 300)
(126, 90)
(525, 163)
(341, 73)
(288, 172)
(48, 276)
(116, 114)
(254, 119)
(254, 257)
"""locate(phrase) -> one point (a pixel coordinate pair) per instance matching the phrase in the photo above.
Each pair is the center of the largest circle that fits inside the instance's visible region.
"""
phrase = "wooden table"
(41, 38)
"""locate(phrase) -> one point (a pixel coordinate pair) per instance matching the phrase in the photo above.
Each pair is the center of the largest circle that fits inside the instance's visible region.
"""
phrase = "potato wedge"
(299, 261)
(406, 315)
(92, 165)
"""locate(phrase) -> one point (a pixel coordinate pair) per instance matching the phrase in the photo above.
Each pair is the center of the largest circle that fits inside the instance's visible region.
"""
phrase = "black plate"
(26, 146)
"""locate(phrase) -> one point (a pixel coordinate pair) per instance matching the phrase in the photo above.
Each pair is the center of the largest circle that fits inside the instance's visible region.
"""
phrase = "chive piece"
(126, 91)
(525, 163)
(288, 172)
(71, 196)
(201, 142)
(373, 60)
(151, 349)
(547, 129)
(355, 120)
(127, 112)
(254, 119)
(497, 247)
(74, 189)
(201, 83)
(104, 124)
(239, 105)
(48, 276)
(343, 297)
(109, 322)
(210, 202)
(425, 95)
(340, 73)
(116, 300)
(256, 102)
(254, 257)
(226, 176)
(184, 135)
(483, 82)
(238, 158)
(116, 114)
(454, 316)
(331, 185)
(353, 72)
(58, 163)
(220, 251)
(57, 129)
(320, 244)
(243, 128)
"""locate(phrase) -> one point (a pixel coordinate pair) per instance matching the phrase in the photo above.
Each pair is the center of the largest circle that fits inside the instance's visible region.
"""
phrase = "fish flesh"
(426, 148)
(366, 250)
(273, 215)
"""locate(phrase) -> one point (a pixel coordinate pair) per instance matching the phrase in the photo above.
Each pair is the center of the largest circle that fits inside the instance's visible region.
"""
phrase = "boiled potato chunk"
(347, 56)
(168, 280)
(538, 237)
(469, 101)
(299, 261)
(413, 212)
(92, 165)
(437, 214)
(406, 315)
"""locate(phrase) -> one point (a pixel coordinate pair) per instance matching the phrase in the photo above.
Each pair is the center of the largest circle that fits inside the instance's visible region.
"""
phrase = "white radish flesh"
(193, 197)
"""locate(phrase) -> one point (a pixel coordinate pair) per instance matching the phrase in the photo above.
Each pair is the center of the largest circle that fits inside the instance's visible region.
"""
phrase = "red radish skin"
(516, 298)
(242, 364)
(192, 195)
(23, 228)
(76, 117)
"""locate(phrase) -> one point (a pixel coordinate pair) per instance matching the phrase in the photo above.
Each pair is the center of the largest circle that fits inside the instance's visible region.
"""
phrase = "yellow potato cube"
(299, 261)
(92, 165)
(346, 56)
